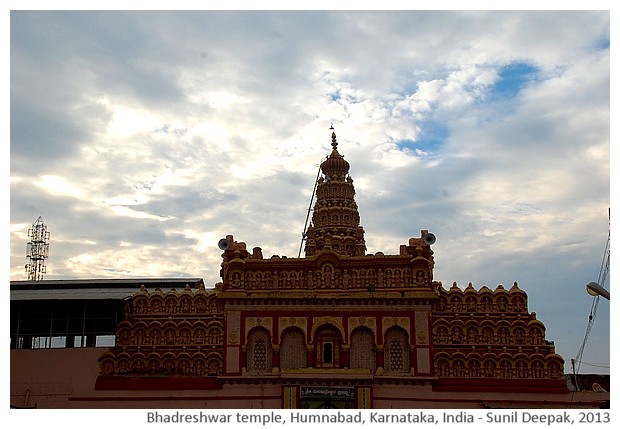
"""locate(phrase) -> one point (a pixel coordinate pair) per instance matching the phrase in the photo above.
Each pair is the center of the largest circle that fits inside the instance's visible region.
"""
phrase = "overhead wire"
(602, 277)
(303, 234)
(595, 365)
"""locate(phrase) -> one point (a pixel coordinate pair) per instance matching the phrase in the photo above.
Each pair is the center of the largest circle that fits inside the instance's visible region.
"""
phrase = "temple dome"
(335, 164)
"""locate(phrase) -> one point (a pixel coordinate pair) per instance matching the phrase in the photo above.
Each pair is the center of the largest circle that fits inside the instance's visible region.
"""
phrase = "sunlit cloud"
(57, 185)
(140, 156)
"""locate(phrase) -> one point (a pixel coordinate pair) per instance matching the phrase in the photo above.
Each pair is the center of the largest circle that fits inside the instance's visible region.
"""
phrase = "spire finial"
(334, 142)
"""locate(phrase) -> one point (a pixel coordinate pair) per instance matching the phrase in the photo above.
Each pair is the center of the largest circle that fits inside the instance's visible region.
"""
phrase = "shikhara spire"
(335, 219)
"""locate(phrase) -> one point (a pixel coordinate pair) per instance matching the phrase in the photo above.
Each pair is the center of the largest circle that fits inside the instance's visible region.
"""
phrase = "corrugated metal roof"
(94, 288)
(90, 293)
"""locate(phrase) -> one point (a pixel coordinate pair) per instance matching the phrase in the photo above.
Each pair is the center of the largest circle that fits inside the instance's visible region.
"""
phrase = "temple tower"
(335, 219)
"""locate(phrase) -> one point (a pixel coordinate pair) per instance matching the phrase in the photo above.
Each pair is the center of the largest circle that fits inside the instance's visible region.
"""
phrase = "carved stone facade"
(168, 334)
(335, 317)
(489, 334)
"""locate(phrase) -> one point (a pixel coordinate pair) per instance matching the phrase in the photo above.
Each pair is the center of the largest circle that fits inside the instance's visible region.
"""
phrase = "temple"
(336, 328)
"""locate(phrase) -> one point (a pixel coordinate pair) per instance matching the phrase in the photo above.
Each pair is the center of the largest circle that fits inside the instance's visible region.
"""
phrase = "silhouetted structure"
(335, 328)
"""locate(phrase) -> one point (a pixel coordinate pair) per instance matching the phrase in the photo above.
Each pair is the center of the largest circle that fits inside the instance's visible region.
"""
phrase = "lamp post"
(596, 289)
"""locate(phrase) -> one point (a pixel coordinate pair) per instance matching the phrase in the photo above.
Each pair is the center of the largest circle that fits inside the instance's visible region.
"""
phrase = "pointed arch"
(396, 350)
(442, 367)
(215, 363)
(328, 342)
(363, 349)
(259, 351)
(293, 352)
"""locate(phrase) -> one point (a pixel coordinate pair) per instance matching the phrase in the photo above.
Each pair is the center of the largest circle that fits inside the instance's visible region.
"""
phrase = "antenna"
(303, 234)
(37, 250)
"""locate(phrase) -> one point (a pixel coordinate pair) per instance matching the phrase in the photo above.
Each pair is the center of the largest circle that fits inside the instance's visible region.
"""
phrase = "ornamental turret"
(335, 220)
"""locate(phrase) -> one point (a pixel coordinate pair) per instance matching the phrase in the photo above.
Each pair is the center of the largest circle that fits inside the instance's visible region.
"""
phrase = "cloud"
(142, 138)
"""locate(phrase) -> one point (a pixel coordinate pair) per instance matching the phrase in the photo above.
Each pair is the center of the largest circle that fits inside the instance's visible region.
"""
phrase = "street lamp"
(596, 289)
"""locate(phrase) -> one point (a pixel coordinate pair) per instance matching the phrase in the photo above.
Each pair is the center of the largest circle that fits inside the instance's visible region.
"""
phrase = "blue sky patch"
(603, 44)
(334, 96)
(512, 78)
(432, 136)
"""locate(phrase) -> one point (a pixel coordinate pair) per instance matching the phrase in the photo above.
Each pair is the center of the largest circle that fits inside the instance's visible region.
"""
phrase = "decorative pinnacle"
(334, 142)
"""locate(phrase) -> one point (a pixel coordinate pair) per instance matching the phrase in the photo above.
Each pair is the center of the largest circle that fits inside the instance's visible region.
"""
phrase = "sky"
(142, 138)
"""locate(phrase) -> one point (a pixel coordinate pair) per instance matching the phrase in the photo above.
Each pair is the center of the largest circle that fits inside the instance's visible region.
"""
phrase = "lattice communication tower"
(37, 250)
